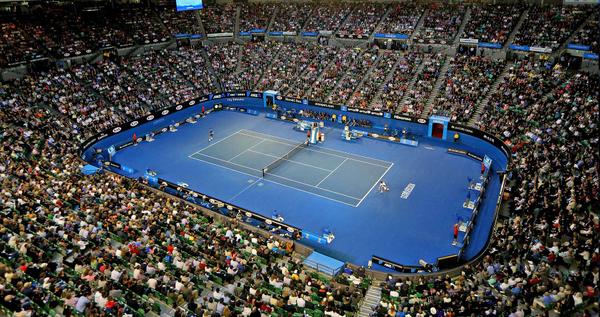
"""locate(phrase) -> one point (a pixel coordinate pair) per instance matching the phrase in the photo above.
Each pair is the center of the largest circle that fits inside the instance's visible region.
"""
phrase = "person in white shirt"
(152, 283)
(115, 275)
(300, 302)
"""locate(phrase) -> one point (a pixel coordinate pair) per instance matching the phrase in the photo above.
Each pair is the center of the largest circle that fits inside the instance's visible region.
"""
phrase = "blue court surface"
(330, 185)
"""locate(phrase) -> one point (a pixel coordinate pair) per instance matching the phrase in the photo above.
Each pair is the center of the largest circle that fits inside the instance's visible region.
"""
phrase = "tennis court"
(339, 176)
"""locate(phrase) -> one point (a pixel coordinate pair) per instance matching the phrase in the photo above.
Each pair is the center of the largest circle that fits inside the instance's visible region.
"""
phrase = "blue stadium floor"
(328, 185)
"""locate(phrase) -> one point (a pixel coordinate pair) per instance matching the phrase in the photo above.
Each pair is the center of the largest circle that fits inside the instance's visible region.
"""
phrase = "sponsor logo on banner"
(150, 117)
(538, 49)
(191, 103)
(134, 123)
(469, 41)
(178, 107)
(165, 112)
(292, 99)
(403, 118)
(324, 105)
(116, 130)
(421, 120)
(224, 34)
(366, 111)
(457, 151)
(461, 128)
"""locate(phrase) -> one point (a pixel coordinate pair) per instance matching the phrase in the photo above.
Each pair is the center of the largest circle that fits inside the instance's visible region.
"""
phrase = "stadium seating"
(107, 245)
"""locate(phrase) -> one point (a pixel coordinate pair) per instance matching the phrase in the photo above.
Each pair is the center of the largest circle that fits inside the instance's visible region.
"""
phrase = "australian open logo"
(150, 117)
(133, 124)
(165, 112)
(178, 107)
(116, 130)
(421, 120)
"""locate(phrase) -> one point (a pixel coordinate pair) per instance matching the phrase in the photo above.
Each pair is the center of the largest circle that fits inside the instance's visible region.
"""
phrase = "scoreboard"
(185, 5)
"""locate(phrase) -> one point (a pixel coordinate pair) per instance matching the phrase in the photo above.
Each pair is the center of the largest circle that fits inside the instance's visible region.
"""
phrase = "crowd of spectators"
(492, 23)
(329, 78)
(66, 31)
(224, 61)
(255, 58)
(394, 90)
(106, 245)
(353, 77)
(588, 35)
(416, 97)
(286, 67)
(441, 24)
(401, 19)
(180, 22)
(219, 18)
(543, 258)
(467, 81)
(291, 17)
(363, 19)
(325, 55)
(327, 17)
(364, 93)
(550, 26)
(255, 16)
(19, 41)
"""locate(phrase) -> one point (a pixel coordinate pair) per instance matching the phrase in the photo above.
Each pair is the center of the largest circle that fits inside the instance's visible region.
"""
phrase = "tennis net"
(267, 169)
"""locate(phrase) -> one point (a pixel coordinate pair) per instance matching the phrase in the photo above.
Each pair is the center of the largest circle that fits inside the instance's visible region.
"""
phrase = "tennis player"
(211, 135)
(383, 187)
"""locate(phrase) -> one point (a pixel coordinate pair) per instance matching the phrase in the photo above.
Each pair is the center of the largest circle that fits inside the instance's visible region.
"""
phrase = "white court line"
(382, 175)
(322, 152)
(213, 144)
(270, 181)
(327, 149)
(335, 169)
(245, 189)
(246, 150)
(275, 175)
(291, 161)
